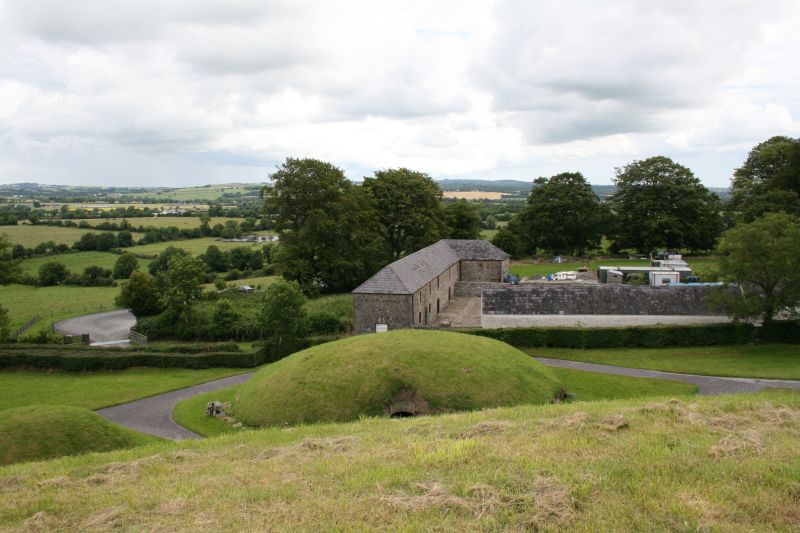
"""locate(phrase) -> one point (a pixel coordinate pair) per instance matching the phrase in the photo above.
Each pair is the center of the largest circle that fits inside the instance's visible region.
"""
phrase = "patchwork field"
(29, 235)
(54, 303)
(474, 195)
(213, 192)
(719, 464)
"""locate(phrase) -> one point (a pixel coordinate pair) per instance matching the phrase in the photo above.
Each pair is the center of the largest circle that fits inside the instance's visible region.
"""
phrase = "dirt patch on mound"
(490, 427)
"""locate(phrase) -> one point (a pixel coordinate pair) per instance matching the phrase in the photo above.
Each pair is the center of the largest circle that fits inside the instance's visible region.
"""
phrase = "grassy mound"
(46, 431)
(437, 371)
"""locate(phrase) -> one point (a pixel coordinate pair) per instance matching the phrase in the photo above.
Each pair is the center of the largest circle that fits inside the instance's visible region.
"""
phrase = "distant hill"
(522, 188)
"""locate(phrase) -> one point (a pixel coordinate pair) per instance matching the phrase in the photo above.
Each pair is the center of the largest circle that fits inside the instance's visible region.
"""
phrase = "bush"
(786, 331)
(643, 337)
(325, 323)
(80, 358)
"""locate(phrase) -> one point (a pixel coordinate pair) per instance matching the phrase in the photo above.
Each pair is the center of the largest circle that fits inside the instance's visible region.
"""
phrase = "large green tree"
(769, 179)
(564, 215)
(661, 204)
(52, 273)
(762, 257)
(463, 220)
(5, 325)
(183, 284)
(125, 265)
(141, 295)
(408, 207)
(330, 235)
(9, 266)
(282, 317)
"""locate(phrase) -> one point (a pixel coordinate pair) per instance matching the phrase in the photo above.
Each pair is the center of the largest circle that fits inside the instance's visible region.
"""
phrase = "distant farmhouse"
(412, 291)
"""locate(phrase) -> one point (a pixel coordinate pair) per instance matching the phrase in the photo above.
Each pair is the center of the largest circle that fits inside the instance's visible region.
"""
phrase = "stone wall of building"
(434, 297)
(483, 270)
(391, 309)
(473, 288)
(596, 299)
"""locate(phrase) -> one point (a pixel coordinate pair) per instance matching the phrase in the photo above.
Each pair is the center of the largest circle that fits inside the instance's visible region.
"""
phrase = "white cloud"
(178, 91)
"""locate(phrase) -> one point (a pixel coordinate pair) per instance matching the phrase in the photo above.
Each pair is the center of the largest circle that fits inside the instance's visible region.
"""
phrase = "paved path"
(101, 327)
(708, 385)
(153, 415)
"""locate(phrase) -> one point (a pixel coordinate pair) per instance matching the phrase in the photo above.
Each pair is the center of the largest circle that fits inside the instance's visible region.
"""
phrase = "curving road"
(706, 385)
(108, 327)
(153, 415)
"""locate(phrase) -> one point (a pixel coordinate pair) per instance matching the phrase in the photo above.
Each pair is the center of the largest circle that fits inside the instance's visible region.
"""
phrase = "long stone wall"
(395, 310)
(474, 288)
(596, 299)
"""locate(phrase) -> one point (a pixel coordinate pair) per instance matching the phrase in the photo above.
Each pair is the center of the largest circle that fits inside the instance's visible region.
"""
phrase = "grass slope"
(29, 235)
(588, 386)
(98, 389)
(776, 361)
(54, 303)
(344, 379)
(193, 246)
(726, 463)
(40, 432)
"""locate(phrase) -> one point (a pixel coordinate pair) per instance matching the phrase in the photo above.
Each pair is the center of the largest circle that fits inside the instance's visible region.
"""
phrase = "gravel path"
(708, 385)
(153, 415)
(101, 327)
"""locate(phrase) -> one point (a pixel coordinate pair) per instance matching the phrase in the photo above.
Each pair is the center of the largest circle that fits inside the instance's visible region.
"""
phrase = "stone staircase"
(462, 312)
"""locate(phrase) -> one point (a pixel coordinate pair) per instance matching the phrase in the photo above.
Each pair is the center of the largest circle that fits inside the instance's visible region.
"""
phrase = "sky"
(189, 92)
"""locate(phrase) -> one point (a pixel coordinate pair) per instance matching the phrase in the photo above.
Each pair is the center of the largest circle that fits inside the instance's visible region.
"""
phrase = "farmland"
(528, 268)
(206, 193)
(54, 303)
(473, 195)
(193, 246)
(159, 222)
(76, 262)
(29, 235)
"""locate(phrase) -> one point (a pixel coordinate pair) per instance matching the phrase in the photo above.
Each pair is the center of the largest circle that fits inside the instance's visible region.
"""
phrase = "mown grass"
(29, 235)
(775, 361)
(94, 390)
(526, 269)
(587, 386)
(54, 303)
(348, 378)
(76, 262)
(726, 463)
(39, 432)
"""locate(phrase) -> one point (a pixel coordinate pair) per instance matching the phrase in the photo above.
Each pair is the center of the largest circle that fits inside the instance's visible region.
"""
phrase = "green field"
(160, 222)
(527, 269)
(54, 303)
(193, 246)
(775, 361)
(93, 390)
(29, 236)
(76, 262)
(724, 463)
(210, 193)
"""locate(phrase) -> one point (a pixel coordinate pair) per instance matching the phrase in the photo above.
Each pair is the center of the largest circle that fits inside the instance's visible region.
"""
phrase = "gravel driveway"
(707, 385)
(101, 327)
(153, 415)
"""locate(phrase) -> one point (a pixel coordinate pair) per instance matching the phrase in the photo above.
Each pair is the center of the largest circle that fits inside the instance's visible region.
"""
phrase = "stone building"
(412, 291)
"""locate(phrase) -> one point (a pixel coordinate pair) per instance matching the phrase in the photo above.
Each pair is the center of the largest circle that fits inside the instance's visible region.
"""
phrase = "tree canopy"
(9, 266)
(563, 215)
(282, 315)
(331, 239)
(763, 258)
(182, 283)
(463, 221)
(125, 265)
(408, 207)
(769, 179)
(661, 204)
(141, 295)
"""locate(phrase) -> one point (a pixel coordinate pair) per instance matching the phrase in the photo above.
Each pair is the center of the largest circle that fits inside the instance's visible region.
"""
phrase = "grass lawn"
(777, 361)
(98, 389)
(724, 463)
(76, 262)
(29, 235)
(193, 246)
(542, 269)
(588, 386)
(54, 303)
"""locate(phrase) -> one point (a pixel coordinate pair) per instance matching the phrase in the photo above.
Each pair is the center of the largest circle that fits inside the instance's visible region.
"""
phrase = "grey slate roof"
(412, 272)
(475, 250)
